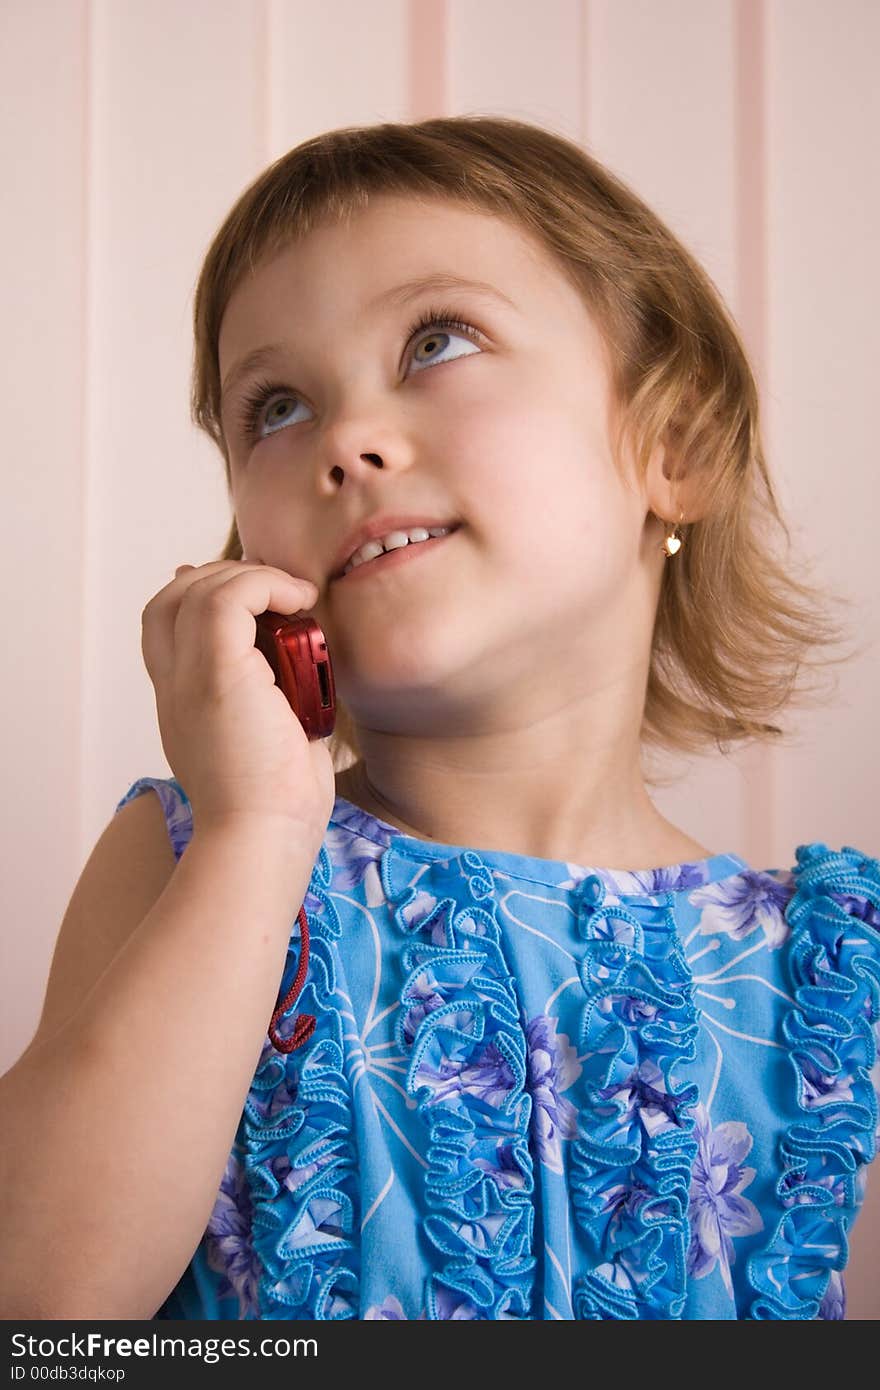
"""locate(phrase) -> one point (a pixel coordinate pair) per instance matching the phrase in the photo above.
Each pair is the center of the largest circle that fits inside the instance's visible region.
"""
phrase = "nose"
(339, 448)
(338, 470)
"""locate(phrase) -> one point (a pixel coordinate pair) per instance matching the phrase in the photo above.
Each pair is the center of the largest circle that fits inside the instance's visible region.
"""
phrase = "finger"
(206, 578)
(215, 628)
(159, 617)
(157, 625)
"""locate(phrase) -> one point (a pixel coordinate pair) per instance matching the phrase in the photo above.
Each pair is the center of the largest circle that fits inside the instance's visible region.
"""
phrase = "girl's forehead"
(409, 228)
(412, 207)
(380, 252)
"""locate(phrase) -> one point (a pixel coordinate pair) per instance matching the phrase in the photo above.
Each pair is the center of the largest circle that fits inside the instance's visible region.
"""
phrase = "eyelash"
(253, 404)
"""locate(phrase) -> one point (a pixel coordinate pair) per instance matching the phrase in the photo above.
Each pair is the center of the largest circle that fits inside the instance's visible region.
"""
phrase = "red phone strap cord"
(305, 1023)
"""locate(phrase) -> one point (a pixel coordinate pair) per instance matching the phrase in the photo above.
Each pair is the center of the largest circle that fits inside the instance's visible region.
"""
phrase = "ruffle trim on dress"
(459, 1024)
(300, 1160)
(632, 1158)
(832, 1032)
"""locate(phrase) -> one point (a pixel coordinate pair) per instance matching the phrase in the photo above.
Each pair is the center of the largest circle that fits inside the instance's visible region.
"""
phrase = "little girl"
(366, 1027)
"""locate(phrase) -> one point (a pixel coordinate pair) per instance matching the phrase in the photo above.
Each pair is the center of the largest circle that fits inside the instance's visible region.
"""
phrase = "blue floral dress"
(545, 1090)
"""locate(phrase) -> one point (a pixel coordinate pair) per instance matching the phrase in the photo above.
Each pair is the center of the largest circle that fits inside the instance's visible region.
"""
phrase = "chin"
(402, 653)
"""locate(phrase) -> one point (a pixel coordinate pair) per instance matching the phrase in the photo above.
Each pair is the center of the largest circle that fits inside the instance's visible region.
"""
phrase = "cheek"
(261, 510)
(545, 494)
(270, 536)
(250, 533)
(529, 465)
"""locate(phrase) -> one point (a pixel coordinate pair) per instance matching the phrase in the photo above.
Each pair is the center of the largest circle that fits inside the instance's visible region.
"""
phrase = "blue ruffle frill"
(632, 1158)
(832, 1032)
(300, 1160)
(461, 1029)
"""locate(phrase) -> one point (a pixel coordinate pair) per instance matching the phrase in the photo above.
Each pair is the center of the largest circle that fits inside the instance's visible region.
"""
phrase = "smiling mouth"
(390, 558)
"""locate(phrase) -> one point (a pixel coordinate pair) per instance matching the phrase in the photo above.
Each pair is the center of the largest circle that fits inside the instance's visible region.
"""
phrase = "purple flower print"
(453, 1306)
(718, 1210)
(228, 1246)
(629, 1008)
(818, 1088)
(506, 1169)
(389, 1310)
(486, 1076)
(292, 1178)
(354, 849)
(742, 904)
(669, 878)
(552, 1067)
(422, 907)
(620, 1203)
(833, 1305)
(321, 1222)
(624, 882)
(283, 1097)
(623, 1206)
(794, 1181)
(643, 1097)
(428, 999)
(858, 906)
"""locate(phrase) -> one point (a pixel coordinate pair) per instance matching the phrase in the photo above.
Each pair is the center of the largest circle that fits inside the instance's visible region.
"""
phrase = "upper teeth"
(393, 541)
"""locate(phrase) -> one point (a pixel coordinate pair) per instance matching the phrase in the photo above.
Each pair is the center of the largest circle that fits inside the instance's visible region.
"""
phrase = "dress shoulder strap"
(176, 808)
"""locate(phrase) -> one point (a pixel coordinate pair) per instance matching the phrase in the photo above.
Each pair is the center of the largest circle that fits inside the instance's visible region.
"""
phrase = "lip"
(381, 525)
(382, 564)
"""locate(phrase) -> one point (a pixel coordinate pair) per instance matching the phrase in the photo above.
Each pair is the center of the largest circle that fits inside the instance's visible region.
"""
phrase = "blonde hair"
(735, 631)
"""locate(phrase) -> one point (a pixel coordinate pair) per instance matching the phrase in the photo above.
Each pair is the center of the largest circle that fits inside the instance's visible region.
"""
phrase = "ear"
(669, 490)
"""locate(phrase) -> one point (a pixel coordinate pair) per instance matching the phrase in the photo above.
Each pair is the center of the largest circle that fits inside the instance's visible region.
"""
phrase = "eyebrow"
(395, 297)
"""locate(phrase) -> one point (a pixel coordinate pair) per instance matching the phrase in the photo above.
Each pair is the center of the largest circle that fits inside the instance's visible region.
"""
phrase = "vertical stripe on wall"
(758, 764)
(427, 26)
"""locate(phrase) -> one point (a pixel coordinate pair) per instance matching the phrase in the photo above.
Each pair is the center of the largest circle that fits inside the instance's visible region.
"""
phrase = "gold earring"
(672, 543)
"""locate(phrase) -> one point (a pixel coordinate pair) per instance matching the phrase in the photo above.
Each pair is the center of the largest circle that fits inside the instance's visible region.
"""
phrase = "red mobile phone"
(296, 649)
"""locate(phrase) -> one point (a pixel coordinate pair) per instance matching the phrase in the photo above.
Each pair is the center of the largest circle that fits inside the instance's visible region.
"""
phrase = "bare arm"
(118, 1125)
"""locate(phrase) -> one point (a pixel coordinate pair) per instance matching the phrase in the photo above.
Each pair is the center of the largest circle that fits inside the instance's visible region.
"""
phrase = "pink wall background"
(128, 131)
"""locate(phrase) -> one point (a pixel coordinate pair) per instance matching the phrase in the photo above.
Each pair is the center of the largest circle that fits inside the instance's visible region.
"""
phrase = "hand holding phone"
(243, 749)
(296, 649)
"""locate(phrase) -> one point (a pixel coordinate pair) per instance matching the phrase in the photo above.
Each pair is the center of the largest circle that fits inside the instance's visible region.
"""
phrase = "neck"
(531, 814)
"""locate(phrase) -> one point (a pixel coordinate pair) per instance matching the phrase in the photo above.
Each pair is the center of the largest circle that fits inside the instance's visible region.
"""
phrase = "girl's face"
(551, 582)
